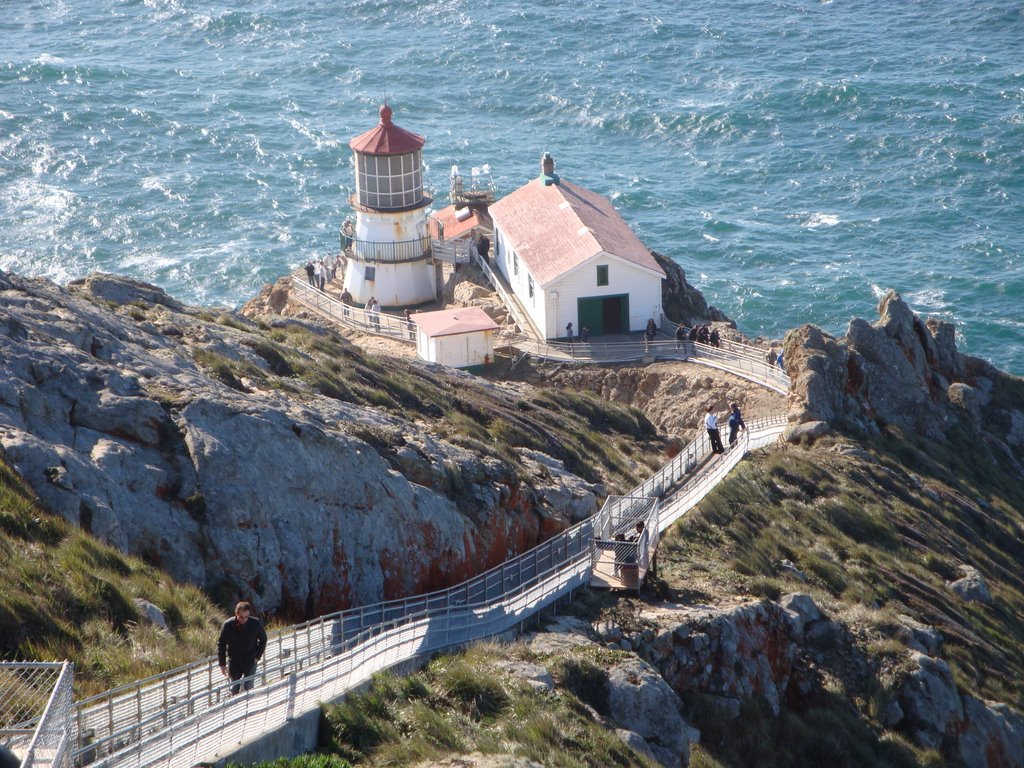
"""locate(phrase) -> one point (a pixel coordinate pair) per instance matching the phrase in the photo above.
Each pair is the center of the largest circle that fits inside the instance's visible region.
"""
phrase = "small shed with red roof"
(458, 338)
(571, 258)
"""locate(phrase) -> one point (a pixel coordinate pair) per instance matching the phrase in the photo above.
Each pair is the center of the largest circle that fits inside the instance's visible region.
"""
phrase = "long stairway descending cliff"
(186, 716)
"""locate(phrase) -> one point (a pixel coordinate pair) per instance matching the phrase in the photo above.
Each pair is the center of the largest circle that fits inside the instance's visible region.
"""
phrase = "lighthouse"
(388, 247)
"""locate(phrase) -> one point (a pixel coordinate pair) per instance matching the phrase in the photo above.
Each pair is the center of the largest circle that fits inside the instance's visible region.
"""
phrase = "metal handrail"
(749, 365)
(157, 703)
(393, 252)
(53, 740)
(378, 323)
(522, 318)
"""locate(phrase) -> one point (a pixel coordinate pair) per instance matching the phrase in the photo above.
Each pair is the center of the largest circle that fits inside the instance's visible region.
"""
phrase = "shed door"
(604, 314)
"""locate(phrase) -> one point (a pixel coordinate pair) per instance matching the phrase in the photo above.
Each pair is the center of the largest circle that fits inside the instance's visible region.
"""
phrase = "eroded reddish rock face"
(732, 654)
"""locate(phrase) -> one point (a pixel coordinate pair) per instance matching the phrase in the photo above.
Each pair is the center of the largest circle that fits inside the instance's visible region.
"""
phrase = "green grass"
(825, 733)
(66, 596)
(466, 703)
(600, 441)
(873, 539)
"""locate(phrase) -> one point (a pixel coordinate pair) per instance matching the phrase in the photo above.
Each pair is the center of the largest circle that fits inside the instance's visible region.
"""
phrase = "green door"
(590, 313)
(604, 314)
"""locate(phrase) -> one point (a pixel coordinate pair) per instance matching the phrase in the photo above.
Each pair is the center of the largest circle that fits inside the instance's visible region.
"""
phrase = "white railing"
(379, 323)
(743, 360)
(452, 251)
(522, 317)
(36, 712)
(187, 714)
(759, 432)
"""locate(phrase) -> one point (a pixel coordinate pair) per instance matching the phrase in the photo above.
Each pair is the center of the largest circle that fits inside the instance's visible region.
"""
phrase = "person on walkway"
(711, 424)
(779, 362)
(694, 333)
(483, 246)
(735, 423)
(373, 307)
(329, 268)
(318, 273)
(771, 357)
(652, 329)
(347, 234)
(346, 301)
(311, 273)
(240, 647)
(680, 336)
(584, 335)
(704, 335)
(715, 338)
(568, 334)
(409, 325)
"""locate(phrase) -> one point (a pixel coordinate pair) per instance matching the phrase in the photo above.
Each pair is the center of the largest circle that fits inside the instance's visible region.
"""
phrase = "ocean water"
(797, 158)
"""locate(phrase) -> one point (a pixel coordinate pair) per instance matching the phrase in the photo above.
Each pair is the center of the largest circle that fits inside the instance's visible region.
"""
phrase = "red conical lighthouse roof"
(387, 138)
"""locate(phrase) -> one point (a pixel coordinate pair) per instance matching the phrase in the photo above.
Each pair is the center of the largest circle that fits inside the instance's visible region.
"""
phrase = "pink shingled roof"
(555, 228)
(386, 138)
(449, 322)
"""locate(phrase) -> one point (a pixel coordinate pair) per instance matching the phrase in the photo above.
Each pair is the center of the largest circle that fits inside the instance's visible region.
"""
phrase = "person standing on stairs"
(711, 424)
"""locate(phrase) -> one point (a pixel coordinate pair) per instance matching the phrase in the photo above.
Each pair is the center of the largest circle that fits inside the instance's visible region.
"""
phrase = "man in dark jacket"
(241, 644)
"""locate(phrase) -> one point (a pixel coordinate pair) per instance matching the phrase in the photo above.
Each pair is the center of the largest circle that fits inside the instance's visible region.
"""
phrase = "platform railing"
(743, 360)
(385, 252)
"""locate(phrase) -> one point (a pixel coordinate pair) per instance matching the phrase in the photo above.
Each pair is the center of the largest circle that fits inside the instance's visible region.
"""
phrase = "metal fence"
(188, 715)
(742, 360)
(508, 298)
(36, 720)
(386, 252)
(380, 323)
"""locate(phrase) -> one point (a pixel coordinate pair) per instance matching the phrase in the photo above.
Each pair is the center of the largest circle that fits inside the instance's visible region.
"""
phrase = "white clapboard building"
(458, 338)
(571, 258)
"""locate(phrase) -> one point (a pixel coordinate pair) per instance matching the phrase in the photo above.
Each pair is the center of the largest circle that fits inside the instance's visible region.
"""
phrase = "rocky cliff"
(905, 372)
(273, 461)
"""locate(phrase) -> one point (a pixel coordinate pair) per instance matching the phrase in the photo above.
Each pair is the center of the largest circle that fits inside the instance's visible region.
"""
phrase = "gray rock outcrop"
(252, 492)
(640, 701)
(899, 370)
(729, 654)
(971, 587)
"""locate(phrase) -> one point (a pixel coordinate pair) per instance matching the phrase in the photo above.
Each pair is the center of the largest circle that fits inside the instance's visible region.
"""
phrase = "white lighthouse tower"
(388, 249)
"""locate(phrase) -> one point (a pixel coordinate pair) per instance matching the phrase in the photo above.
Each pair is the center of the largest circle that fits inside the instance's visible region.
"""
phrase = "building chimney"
(547, 164)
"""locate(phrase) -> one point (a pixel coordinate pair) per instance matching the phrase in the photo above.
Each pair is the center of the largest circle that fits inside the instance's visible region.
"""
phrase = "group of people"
(702, 334)
(775, 359)
(582, 338)
(320, 272)
(735, 422)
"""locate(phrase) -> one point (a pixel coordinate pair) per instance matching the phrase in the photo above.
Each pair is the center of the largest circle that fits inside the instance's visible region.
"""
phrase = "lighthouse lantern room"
(388, 248)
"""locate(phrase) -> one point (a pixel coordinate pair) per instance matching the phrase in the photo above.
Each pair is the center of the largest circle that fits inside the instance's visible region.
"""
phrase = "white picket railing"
(187, 715)
(36, 721)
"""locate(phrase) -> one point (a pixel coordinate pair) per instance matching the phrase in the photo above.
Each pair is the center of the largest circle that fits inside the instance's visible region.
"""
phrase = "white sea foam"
(709, 238)
(818, 220)
(930, 298)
